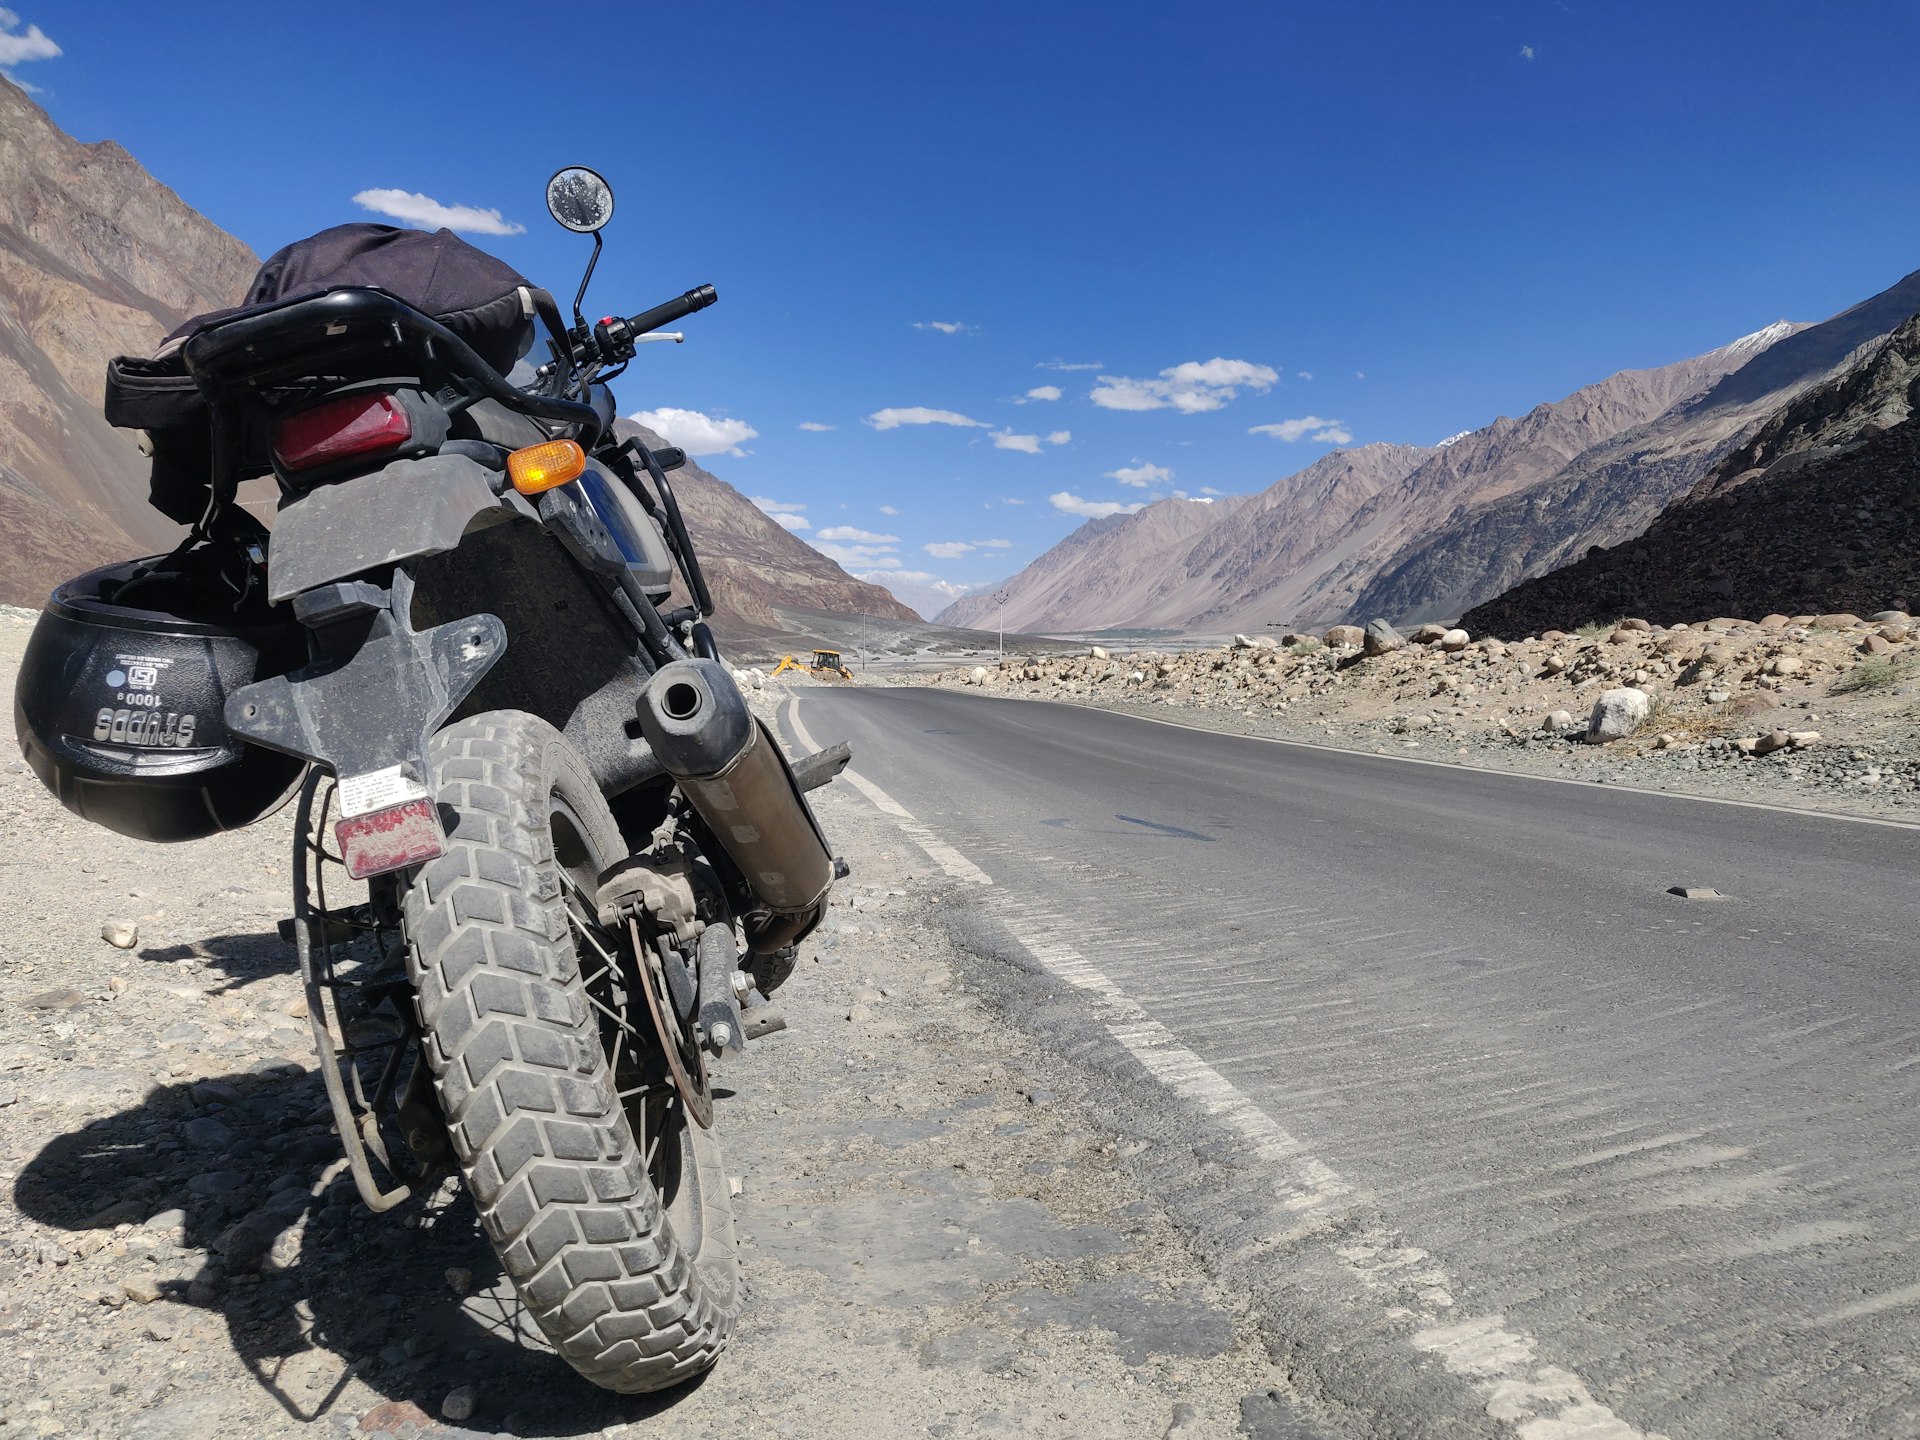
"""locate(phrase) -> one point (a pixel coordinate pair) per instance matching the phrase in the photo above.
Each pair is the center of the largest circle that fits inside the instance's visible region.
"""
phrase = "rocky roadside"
(1815, 711)
(937, 1239)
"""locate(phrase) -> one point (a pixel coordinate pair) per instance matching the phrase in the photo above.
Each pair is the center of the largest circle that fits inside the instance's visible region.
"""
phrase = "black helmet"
(121, 695)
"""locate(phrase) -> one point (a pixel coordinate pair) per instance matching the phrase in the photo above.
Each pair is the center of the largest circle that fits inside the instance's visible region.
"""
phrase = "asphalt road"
(1504, 1137)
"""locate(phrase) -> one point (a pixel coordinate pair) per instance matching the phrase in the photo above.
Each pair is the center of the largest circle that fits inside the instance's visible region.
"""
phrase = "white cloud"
(857, 535)
(1141, 474)
(888, 510)
(945, 327)
(813, 425)
(1059, 437)
(19, 46)
(894, 418)
(1009, 500)
(695, 433)
(1210, 492)
(418, 209)
(1092, 509)
(1526, 52)
(781, 513)
(1044, 392)
(994, 544)
(947, 549)
(1305, 374)
(1073, 365)
(1025, 444)
(1328, 432)
(859, 554)
(1192, 388)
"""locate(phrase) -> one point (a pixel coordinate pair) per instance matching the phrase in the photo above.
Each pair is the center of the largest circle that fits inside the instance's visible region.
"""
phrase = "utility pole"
(1000, 622)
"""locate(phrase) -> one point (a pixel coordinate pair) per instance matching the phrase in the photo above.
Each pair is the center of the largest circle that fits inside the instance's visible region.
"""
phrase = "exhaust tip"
(681, 700)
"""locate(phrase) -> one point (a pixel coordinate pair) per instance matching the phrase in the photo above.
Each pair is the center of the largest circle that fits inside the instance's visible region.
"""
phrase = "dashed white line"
(1539, 1401)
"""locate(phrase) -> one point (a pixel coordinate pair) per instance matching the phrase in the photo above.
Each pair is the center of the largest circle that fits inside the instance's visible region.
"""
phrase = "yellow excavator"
(826, 663)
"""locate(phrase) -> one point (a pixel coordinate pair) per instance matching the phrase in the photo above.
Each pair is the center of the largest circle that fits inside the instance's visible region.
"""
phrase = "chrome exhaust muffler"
(730, 766)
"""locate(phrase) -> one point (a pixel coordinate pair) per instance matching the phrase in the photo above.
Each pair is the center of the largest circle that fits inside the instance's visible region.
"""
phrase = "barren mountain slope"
(1505, 459)
(97, 258)
(1614, 490)
(1816, 514)
(752, 564)
(1106, 573)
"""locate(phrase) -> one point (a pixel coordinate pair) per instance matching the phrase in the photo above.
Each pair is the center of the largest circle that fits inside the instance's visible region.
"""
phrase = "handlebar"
(696, 299)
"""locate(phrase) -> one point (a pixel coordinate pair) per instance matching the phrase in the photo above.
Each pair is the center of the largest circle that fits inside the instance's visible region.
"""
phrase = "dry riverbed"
(1815, 711)
(938, 1238)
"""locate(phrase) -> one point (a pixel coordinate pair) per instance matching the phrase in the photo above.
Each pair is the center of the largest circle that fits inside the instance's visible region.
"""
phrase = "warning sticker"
(378, 789)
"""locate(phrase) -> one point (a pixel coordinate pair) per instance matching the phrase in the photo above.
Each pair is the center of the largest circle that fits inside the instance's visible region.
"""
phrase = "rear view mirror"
(669, 457)
(580, 200)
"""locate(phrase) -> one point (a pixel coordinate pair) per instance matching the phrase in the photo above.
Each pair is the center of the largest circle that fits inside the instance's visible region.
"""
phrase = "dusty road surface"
(1500, 1136)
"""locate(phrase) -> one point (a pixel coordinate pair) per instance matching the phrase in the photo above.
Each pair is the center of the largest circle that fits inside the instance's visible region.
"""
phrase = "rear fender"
(400, 512)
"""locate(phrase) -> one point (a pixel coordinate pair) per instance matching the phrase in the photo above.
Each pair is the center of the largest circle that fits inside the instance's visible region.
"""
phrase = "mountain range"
(97, 259)
(1425, 533)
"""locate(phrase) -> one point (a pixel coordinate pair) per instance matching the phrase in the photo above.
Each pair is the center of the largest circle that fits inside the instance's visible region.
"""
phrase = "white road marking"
(1539, 1401)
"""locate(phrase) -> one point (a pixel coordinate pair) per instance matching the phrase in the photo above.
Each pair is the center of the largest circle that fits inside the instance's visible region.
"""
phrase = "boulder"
(1617, 714)
(1426, 634)
(1890, 617)
(1803, 738)
(1554, 635)
(1382, 638)
(1622, 636)
(979, 674)
(1633, 622)
(1344, 636)
(1771, 741)
(1454, 641)
(1774, 622)
(1841, 621)
(1784, 665)
(1753, 703)
(1098, 652)
(1554, 664)
(1875, 645)
(1558, 721)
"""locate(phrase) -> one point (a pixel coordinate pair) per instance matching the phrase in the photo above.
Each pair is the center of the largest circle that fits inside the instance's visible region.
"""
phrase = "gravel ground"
(936, 1241)
(1838, 695)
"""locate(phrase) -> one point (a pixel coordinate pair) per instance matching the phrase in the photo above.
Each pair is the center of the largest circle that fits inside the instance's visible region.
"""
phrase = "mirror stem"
(581, 293)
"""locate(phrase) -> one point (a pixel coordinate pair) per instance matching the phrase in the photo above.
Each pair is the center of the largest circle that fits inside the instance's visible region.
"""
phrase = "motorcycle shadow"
(314, 1289)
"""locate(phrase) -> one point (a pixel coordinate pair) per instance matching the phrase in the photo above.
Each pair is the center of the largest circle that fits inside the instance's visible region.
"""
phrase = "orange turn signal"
(543, 466)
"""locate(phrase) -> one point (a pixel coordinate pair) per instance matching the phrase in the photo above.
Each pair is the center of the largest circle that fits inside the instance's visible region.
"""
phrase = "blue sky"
(1272, 227)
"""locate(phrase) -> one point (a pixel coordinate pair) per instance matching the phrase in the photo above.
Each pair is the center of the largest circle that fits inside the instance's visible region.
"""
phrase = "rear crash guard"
(368, 719)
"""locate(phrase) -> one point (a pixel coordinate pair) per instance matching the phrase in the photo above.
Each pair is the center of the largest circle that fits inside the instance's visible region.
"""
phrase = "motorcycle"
(548, 866)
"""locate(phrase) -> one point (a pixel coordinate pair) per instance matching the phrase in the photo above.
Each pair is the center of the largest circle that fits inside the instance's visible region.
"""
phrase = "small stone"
(1784, 665)
(1554, 664)
(142, 1289)
(1428, 634)
(1454, 641)
(213, 1092)
(1835, 622)
(859, 1014)
(208, 1133)
(1803, 738)
(1633, 622)
(158, 1328)
(1556, 722)
(459, 1404)
(1622, 637)
(296, 1007)
(1718, 697)
(1875, 645)
(65, 998)
(121, 934)
(460, 1281)
(1771, 741)
(389, 1415)
(1344, 637)
(117, 984)
(112, 1296)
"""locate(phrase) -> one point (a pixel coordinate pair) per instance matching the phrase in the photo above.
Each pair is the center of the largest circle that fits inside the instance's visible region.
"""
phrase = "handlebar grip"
(696, 299)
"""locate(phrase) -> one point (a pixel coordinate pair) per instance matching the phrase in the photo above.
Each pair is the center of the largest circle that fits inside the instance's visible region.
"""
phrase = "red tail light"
(341, 430)
(390, 839)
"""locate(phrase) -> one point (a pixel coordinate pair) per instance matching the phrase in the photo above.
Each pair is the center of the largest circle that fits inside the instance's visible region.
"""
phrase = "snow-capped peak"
(1451, 440)
(1759, 340)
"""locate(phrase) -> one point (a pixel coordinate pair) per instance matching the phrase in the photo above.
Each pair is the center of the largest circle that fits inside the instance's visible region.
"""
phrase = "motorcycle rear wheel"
(629, 1268)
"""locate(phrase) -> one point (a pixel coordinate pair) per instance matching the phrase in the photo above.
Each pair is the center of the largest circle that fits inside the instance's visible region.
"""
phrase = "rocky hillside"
(1122, 563)
(1820, 511)
(97, 258)
(752, 564)
(1321, 544)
